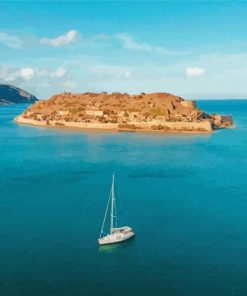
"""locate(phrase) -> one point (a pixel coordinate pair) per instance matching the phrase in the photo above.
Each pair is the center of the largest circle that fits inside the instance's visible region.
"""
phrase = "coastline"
(178, 127)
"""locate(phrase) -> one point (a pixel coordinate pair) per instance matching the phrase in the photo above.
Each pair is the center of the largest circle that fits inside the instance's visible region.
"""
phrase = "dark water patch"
(39, 180)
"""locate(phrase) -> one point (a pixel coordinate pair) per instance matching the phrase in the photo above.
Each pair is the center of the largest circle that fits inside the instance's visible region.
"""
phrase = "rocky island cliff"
(121, 111)
(10, 94)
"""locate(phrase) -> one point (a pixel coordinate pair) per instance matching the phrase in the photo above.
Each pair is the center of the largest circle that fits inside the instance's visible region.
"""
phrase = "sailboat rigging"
(116, 234)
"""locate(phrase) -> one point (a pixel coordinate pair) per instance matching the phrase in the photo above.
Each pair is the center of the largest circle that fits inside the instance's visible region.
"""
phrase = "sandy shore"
(173, 127)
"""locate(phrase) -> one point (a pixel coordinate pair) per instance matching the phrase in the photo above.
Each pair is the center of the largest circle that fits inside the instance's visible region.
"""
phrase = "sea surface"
(184, 195)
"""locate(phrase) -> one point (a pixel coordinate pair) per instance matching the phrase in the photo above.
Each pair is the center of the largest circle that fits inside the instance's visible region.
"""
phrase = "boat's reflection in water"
(108, 248)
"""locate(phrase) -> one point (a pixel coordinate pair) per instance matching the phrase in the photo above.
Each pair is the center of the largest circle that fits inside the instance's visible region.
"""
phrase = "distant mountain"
(10, 94)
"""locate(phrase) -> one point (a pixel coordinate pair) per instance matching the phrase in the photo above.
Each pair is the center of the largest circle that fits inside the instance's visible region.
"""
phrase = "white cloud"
(27, 73)
(69, 84)
(4, 72)
(194, 71)
(11, 41)
(111, 71)
(60, 72)
(8, 74)
(69, 37)
(129, 43)
(11, 76)
(18, 75)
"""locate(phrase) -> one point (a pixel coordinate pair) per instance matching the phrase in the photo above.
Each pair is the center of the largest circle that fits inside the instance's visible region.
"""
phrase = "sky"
(194, 49)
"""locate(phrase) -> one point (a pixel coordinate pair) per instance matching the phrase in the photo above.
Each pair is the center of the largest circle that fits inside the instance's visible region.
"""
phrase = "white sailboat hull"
(118, 235)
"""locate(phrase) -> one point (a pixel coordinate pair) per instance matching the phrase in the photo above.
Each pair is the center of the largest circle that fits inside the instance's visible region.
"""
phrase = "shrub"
(128, 126)
(157, 127)
(74, 111)
(59, 124)
(157, 111)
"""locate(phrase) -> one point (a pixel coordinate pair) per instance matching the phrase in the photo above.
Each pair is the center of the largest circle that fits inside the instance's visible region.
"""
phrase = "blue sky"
(193, 49)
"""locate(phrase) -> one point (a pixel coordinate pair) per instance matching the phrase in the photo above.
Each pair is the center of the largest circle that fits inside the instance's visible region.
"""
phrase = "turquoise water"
(184, 195)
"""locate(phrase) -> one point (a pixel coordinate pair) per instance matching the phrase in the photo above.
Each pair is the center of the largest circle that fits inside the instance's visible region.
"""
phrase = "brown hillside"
(143, 111)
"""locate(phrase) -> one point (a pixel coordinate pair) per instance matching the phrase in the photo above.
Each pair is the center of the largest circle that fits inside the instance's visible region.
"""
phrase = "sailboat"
(116, 234)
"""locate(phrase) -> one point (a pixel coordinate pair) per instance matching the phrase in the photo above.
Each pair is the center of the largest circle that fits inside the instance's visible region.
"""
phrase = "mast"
(106, 211)
(112, 203)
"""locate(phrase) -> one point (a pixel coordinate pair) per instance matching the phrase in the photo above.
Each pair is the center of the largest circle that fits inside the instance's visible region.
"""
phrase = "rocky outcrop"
(221, 121)
(11, 95)
(153, 112)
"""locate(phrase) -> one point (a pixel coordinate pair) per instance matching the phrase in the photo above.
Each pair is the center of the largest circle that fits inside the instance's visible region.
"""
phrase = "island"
(10, 94)
(161, 112)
